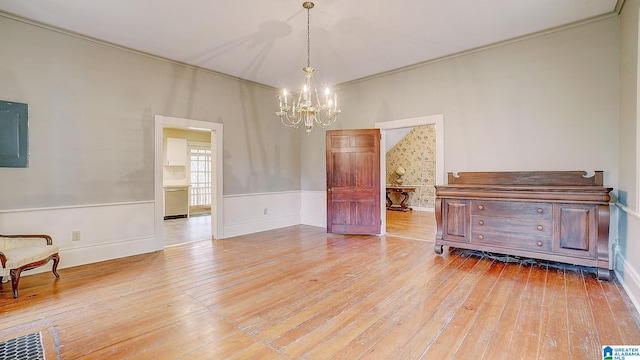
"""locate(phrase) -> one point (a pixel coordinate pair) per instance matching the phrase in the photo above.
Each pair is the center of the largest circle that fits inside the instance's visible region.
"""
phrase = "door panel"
(456, 213)
(353, 181)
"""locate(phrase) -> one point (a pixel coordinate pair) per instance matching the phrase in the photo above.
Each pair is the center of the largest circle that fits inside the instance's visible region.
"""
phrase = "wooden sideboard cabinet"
(558, 216)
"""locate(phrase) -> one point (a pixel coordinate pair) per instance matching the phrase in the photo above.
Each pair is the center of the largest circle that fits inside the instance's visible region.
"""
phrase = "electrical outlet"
(265, 211)
(75, 235)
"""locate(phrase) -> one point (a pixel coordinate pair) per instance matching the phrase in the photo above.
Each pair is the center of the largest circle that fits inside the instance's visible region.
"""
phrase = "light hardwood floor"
(182, 230)
(299, 293)
(420, 225)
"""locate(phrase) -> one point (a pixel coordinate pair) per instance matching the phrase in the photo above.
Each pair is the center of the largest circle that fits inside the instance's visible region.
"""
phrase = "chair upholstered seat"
(24, 252)
(22, 256)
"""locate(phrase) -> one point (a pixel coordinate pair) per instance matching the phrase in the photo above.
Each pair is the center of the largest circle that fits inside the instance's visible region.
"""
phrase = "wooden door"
(353, 181)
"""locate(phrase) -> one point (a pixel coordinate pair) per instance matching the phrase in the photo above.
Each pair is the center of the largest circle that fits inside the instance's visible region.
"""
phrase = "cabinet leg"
(604, 274)
(438, 249)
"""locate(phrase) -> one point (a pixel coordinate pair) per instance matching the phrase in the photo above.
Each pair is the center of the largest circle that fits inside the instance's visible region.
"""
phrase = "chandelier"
(308, 109)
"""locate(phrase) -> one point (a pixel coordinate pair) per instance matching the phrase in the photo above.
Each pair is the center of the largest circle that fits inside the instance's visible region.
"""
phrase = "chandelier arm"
(328, 120)
(320, 106)
(295, 123)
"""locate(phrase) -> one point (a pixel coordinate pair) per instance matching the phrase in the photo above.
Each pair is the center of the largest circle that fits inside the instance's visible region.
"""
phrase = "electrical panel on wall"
(14, 135)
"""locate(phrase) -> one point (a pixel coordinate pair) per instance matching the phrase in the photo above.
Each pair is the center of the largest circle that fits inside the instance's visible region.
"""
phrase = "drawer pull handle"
(539, 211)
(539, 243)
(480, 237)
(540, 227)
(480, 207)
(480, 222)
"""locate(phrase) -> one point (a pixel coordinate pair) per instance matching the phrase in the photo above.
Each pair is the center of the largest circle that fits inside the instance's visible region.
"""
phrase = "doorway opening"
(389, 126)
(214, 189)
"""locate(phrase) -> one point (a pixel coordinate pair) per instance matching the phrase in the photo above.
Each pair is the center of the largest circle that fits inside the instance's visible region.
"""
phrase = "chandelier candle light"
(308, 109)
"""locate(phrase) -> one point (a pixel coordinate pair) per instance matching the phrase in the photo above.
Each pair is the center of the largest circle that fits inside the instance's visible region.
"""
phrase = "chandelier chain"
(308, 38)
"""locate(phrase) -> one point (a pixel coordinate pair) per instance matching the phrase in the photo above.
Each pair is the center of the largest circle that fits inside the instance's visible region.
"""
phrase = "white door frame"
(162, 122)
(438, 120)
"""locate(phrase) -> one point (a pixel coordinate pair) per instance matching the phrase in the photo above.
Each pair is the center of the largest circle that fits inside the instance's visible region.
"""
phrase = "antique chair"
(25, 252)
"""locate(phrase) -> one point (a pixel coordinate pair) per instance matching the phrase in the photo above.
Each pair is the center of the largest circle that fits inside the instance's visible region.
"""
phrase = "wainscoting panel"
(314, 208)
(250, 213)
(107, 231)
(629, 279)
(624, 251)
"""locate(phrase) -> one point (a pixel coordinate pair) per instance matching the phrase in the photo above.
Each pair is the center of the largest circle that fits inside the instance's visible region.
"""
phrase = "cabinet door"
(176, 202)
(455, 220)
(575, 229)
(176, 152)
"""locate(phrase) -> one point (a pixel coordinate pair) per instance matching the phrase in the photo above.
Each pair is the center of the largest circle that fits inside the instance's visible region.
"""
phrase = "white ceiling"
(265, 41)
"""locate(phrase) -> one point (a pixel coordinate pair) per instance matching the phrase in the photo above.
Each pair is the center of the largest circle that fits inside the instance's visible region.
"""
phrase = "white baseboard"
(97, 253)
(259, 225)
(318, 221)
(629, 279)
(628, 221)
(102, 252)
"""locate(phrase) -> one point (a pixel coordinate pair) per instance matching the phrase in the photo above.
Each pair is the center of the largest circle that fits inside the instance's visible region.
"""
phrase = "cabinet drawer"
(516, 209)
(513, 241)
(531, 227)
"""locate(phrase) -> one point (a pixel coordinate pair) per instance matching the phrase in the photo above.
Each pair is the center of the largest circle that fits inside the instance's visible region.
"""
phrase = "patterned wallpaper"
(416, 152)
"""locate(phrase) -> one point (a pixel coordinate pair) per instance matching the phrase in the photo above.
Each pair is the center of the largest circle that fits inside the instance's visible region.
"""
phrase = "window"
(200, 159)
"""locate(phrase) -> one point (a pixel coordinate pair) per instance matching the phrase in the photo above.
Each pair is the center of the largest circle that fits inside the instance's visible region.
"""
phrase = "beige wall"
(629, 105)
(628, 247)
(91, 121)
(548, 102)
